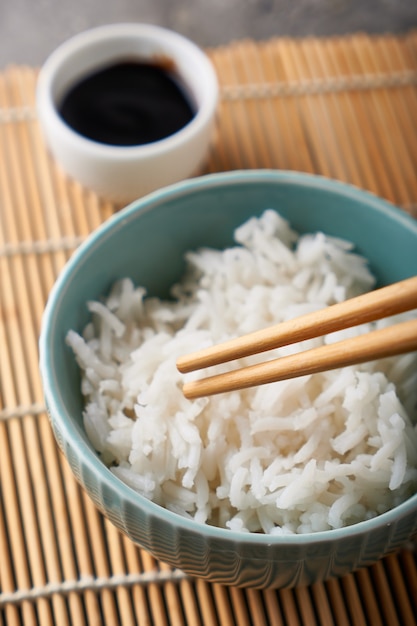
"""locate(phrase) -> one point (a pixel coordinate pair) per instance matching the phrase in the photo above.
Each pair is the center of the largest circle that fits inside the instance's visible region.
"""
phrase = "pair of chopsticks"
(390, 341)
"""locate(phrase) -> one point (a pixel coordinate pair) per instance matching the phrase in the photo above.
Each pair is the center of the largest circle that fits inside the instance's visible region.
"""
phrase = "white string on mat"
(41, 246)
(319, 85)
(89, 583)
(33, 410)
(266, 90)
(17, 114)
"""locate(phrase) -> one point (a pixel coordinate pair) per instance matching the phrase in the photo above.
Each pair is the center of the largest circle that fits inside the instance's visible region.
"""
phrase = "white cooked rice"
(308, 454)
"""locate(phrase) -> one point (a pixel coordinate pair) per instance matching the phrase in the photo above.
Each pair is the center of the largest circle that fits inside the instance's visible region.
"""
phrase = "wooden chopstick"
(380, 303)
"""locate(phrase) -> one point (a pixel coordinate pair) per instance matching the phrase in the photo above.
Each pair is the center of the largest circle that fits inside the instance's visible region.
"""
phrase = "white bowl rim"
(55, 405)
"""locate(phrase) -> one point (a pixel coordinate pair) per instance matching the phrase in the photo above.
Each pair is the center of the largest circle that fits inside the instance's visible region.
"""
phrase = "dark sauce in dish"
(127, 104)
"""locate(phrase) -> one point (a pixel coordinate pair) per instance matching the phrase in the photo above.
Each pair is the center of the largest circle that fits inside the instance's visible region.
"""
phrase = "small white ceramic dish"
(118, 172)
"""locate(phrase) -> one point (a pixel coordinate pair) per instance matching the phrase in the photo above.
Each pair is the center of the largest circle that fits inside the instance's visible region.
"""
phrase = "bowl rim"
(56, 407)
(98, 35)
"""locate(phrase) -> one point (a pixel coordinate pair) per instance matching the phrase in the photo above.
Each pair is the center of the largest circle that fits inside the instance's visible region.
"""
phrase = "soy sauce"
(126, 104)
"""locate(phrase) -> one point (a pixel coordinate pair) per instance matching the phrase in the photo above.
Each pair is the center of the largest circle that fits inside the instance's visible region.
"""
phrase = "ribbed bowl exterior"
(228, 562)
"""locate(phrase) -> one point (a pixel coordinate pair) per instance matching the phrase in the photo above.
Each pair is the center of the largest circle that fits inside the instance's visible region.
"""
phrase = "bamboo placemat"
(345, 108)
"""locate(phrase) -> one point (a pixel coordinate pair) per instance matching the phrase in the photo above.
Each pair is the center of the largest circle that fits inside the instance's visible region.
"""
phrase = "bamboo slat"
(341, 107)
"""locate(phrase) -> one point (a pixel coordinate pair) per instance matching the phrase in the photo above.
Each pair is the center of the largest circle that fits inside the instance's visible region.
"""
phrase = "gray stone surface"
(31, 29)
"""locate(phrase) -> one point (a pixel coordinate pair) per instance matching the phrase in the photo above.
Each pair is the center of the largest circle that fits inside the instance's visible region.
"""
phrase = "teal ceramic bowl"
(146, 241)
